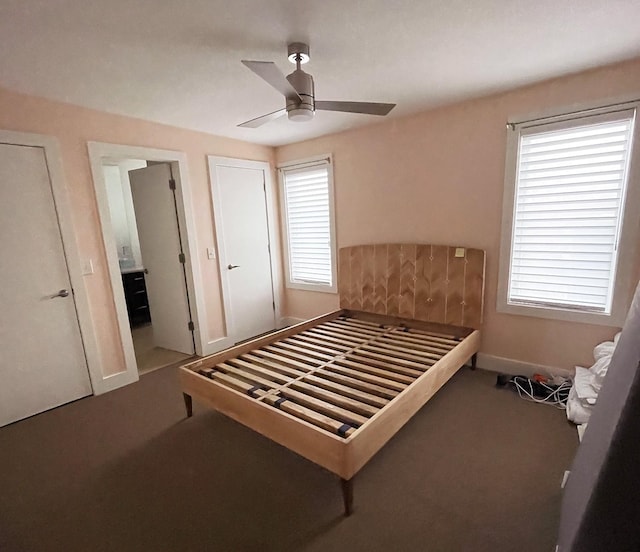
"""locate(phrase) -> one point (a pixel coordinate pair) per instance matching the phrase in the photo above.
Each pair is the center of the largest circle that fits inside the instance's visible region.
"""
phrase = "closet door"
(240, 204)
(42, 361)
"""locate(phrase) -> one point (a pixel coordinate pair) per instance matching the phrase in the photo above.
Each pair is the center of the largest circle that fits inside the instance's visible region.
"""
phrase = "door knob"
(61, 293)
(231, 267)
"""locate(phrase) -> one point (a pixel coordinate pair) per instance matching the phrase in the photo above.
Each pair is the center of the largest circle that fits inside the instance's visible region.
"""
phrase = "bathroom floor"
(148, 356)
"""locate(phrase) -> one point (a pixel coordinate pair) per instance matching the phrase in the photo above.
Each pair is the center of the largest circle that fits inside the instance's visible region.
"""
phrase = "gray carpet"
(476, 469)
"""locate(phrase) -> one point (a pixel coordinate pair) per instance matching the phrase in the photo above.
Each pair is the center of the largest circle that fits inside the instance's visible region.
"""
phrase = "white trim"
(290, 321)
(626, 101)
(97, 152)
(186, 218)
(217, 345)
(274, 256)
(514, 367)
(68, 233)
(308, 162)
(628, 254)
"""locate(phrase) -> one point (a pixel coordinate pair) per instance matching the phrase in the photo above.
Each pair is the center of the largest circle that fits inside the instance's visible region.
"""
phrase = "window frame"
(309, 162)
(627, 252)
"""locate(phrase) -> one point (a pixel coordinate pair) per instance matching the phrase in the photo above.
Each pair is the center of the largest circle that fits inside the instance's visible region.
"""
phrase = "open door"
(153, 192)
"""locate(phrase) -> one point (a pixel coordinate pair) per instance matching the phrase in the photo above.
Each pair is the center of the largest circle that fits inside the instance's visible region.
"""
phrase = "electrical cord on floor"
(556, 394)
(537, 390)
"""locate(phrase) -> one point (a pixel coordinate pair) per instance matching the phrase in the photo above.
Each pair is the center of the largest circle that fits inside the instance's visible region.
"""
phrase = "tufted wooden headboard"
(433, 283)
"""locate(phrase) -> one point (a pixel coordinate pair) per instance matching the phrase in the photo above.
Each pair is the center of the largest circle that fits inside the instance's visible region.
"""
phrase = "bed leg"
(474, 360)
(188, 403)
(347, 495)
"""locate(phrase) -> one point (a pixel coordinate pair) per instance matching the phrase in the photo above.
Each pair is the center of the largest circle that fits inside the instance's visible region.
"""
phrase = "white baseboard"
(290, 321)
(518, 367)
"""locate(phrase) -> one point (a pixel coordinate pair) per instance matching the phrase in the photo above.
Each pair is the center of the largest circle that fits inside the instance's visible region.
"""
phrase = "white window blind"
(307, 200)
(570, 190)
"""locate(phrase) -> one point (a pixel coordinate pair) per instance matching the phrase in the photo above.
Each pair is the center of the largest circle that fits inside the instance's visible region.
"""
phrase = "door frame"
(270, 194)
(64, 216)
(98, 151)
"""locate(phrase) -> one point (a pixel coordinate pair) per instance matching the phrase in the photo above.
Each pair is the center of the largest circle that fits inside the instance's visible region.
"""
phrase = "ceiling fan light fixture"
(300, 114)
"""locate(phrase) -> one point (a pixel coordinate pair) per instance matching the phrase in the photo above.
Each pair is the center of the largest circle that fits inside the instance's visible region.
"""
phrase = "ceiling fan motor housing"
(303, 109)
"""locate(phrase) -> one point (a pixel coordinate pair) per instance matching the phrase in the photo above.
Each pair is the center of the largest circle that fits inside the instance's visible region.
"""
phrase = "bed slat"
(431, 336)
(394, 342)
(347, 333)
(387, 374)
(244, 375)
(403, 339)
(389, 362)
(360, 323)
(334, 398)
(400, 352)
(327, 335)
(286, 370)
(355, 331)
(286, 348)
(259, 370)
(324, 407)
(302, 366)
(367, 376)
(346, 390)
(305, 340)
(354, 383)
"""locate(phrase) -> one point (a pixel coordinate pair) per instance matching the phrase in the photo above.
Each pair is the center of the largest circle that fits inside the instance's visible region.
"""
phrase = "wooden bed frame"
(336, 388)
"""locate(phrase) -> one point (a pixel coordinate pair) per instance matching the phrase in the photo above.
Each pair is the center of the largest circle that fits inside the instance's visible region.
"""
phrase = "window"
(567, 226)
(307, 207)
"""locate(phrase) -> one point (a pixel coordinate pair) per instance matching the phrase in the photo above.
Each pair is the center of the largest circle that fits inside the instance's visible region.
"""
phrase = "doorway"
(143, 199)
(143, 208)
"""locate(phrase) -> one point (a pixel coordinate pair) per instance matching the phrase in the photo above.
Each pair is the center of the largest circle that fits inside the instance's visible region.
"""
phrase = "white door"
(42, 362)
(241, 213)
(159, 233)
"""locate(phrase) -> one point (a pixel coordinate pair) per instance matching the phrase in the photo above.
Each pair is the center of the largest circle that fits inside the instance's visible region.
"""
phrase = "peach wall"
(75, 126)
(438, 177)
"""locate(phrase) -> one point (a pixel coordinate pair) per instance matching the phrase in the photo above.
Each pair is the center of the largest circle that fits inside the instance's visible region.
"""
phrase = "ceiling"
(178, 62)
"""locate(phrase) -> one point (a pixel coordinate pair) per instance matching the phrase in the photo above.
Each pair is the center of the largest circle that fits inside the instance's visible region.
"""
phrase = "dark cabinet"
(135, 294)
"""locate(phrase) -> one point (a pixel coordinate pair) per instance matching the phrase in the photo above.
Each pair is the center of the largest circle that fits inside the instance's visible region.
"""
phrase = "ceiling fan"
(298, 89)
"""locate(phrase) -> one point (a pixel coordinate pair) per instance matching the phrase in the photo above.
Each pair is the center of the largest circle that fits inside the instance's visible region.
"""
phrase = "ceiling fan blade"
(269, 71)
(368, 108)
(259, 121)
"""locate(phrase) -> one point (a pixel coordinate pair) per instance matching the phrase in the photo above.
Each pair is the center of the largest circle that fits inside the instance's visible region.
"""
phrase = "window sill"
(312, 287)
(614, 319)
